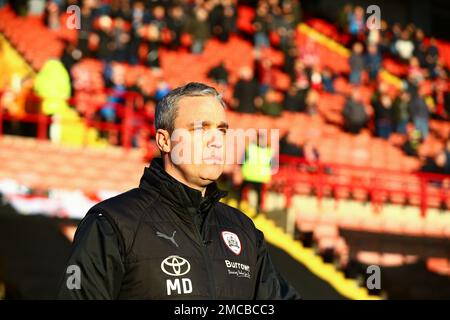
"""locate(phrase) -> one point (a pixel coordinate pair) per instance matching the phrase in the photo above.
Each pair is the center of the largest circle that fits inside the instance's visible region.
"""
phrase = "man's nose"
(215, 138)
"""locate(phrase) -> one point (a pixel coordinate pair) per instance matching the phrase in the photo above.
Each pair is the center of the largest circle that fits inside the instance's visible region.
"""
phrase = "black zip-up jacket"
(163, 240)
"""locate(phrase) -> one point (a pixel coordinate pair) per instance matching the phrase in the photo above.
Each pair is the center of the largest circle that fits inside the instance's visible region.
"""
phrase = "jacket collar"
(177, 194)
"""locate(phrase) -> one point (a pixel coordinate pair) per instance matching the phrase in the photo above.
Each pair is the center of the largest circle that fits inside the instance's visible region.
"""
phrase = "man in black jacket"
(171, 238)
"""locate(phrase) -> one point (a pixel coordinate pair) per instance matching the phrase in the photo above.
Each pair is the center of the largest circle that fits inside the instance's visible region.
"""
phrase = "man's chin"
(211, 172)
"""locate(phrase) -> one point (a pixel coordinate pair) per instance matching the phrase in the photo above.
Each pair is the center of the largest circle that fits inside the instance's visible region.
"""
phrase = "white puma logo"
(165, 236)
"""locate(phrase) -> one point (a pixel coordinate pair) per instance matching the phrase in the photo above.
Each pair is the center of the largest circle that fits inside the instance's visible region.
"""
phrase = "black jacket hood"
(175, 193)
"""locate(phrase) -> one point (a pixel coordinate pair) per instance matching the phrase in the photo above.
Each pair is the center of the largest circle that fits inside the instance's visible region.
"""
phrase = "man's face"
(201, 122)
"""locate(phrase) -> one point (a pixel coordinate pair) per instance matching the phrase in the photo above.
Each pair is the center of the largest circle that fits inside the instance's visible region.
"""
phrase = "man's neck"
(178, 175)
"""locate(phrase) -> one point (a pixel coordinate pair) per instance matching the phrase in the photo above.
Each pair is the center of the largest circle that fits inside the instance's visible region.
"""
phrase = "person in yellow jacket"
(256, 168)
(52, 85)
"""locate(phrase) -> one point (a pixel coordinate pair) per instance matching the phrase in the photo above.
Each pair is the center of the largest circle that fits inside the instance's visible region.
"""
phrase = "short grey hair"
(167, 108)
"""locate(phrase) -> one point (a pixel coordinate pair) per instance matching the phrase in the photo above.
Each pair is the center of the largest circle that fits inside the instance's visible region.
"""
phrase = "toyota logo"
(175, 266)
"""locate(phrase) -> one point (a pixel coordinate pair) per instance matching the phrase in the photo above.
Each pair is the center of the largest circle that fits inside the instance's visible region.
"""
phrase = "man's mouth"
(213, 160)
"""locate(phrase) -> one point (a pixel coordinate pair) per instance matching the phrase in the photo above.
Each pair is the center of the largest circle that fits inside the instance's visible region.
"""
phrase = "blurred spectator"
(70, 56)
(404, 46)
(176, 24)
(158, 17)
(18, 101)
(373, 61)
(121, 39)
(441, 94)
(309, 54)
(154, 36)
(312, 101)
(384, 44)
(143, 118)
(401, 111)
(316, 78)
(292, 13)
(429, 164)
(432, 57)
(153, 40)
(420, 113)
(344, 17)
(443, 160)
(420, 49)
(354, 113)
(216, 15)
(310, 152)
(246, 92)
(270, 106)
(87, 17)
(382, 88)
(257, 168)
(105, 38)
(383, 116)
(288, 146)
(142, 88)
(301, 76)
(285, 32)
(52, 85)
(51, 16)
(162, 88)
(139, 17)
(120, 9)
(410, 85)
(199, 30)
(327, 80)
(116, 96)
(219, 73)
(412, 143)
(418, 40)
(427, 55)
(396, 32)
(356, 62)
(20, 7)
(294, 100)
(222, 19)
(261, 25)
(290, 57)
(374, 37)
(415, 72)
(264, 74)
(356, 23)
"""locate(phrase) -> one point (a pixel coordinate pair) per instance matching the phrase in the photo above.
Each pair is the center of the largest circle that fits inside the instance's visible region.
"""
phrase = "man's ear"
(163, 140)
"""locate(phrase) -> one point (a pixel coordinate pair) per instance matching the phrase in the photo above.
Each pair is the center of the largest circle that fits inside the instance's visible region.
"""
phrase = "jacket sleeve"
(95, 259)
(270, 284)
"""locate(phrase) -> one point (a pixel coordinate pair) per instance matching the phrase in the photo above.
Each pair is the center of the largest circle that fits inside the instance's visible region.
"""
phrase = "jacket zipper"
(206, 258)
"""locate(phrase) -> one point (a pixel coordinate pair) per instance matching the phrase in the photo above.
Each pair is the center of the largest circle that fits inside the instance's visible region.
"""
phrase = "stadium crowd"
(134, 32)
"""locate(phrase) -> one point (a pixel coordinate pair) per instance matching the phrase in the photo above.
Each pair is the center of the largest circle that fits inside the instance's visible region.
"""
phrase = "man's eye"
(223, 130)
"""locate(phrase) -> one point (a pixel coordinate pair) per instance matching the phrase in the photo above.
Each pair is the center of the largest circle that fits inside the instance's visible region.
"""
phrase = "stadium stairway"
(307, 230)
(38, 43)
(12, 63)
(327, 272)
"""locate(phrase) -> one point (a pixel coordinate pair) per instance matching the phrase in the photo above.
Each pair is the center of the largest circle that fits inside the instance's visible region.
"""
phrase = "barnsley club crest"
(232, 241)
